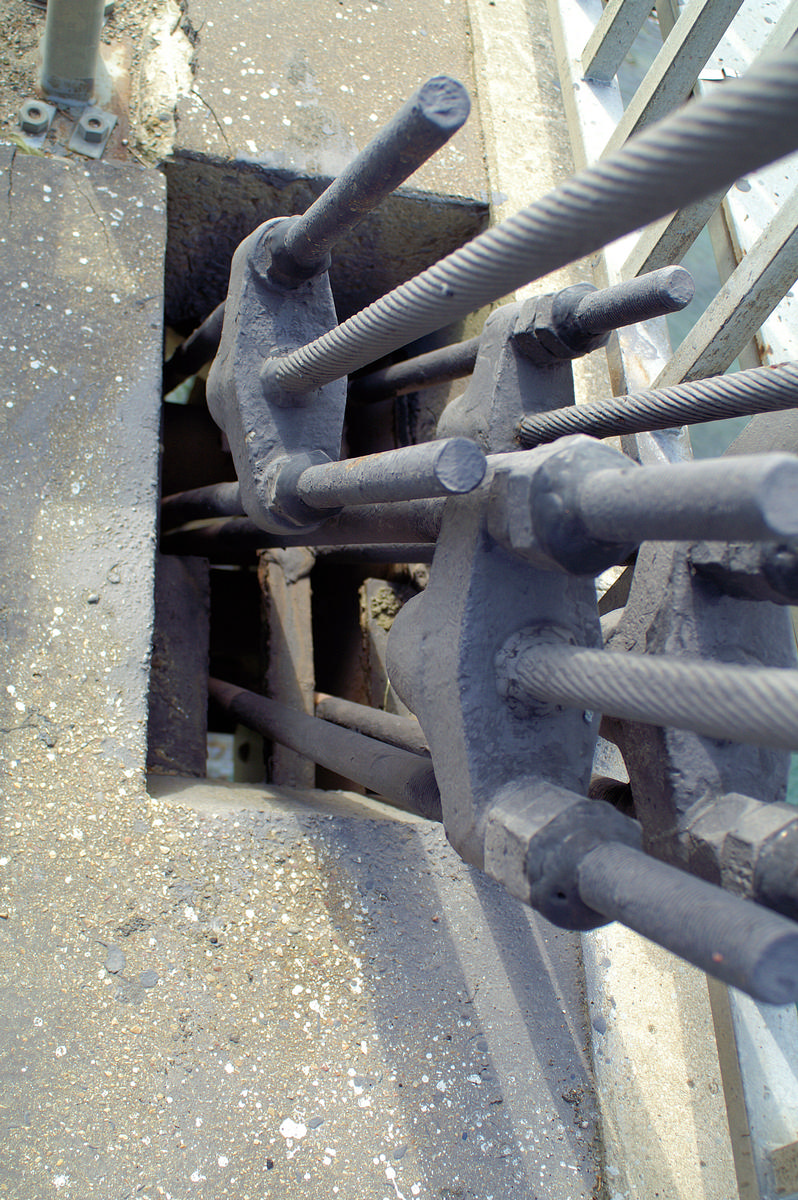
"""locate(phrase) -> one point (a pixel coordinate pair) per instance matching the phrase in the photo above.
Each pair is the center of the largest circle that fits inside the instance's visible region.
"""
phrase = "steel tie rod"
(703, 146)
(703, 696)
(761, 389)
(423, 371)
(745, 945)
(406, 779)
(300, 245)
(750, 498)
(451, 466)
(410, 521)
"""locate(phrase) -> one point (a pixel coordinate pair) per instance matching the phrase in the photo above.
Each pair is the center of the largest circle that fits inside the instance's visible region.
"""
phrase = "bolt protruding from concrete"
(93, 126)
(34, 118)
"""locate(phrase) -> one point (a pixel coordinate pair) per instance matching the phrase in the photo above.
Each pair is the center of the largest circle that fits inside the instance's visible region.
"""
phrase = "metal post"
(71, 43)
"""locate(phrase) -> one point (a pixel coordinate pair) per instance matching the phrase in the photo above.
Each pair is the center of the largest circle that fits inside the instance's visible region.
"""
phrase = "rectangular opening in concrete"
(224, 614)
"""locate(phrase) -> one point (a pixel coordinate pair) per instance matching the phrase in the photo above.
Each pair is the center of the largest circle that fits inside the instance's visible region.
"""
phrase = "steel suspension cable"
(762, 389)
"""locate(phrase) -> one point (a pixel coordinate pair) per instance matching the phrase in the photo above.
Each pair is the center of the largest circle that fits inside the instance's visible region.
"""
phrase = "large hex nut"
(93, 126)
(35, 117)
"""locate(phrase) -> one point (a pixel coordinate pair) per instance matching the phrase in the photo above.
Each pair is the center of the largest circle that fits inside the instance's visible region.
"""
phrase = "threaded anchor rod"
(745, 945)
(451, 466)
(406, 779)
(762, 389)
(751, 498)
(423, 124)
(705, 145)
(654, 294)
(719, 700)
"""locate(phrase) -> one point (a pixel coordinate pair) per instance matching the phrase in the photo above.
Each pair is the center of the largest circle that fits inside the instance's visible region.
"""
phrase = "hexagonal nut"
(93, 126)
(510, 512)
(34, 118)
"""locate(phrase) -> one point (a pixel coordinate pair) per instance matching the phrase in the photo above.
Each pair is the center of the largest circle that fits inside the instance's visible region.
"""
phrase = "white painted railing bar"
(747, 298)
(673, 74)
(669, 240)
(612, 39)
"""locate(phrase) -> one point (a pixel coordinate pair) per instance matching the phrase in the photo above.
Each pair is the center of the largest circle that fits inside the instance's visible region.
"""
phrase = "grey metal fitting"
(283, 267)
(547, 329)
(579, 319)
(279, 492)
(265, 426)
(93, 126)
(749, 571)
(533, 508)
(35, 117)
(749, 848)
(536, 836)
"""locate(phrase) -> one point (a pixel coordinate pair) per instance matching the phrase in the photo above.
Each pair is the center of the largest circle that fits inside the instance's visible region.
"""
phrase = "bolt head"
(93, 126)
(33, 118)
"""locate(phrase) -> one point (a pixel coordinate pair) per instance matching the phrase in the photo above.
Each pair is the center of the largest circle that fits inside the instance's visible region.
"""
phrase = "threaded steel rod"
(423, 371)
(423, 124)
(762, 389)
(406, 779)
(749, 498)
(198, 348)
(705, 145)
(719, 700)
(667, 290)
(411, 521)
(745, 945)
(451, 466)
(404, 732)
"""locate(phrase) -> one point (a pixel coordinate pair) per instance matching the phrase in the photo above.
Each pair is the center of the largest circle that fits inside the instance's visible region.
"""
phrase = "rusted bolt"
(33, 118)
(92, 127)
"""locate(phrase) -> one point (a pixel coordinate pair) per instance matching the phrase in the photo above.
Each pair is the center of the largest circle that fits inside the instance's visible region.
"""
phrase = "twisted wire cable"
(762, 389)
(704, 146)
(683, 693)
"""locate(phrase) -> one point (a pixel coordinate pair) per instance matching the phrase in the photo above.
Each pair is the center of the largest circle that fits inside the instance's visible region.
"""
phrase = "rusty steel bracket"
(271, 431)
(444, 644)
(713, 806)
